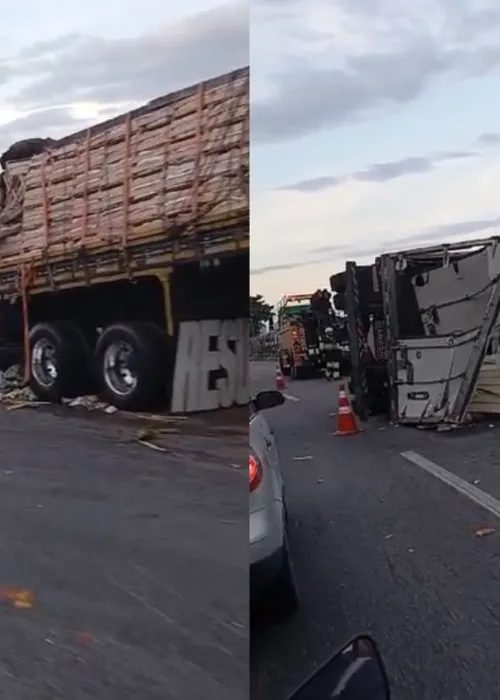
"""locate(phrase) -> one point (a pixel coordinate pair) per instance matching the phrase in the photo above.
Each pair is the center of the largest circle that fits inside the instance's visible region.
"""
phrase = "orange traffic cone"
(347, 423)
(280, 380)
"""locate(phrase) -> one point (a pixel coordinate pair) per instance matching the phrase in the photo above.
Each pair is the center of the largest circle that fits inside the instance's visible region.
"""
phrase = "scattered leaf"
(83, 637)
(23, 599)
(484, 531)
(148, 433)
(18, 597)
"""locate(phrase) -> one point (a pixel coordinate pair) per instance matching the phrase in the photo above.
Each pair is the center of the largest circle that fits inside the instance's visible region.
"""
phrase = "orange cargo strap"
(126, 180)
(45, 195)
(198, 155)
(26, 279)
(86, 187)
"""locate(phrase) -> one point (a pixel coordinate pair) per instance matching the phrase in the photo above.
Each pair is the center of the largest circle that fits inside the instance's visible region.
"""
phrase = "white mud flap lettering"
(211, 367)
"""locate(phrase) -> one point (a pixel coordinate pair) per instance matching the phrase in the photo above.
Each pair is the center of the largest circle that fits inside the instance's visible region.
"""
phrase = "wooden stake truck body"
(140, 220)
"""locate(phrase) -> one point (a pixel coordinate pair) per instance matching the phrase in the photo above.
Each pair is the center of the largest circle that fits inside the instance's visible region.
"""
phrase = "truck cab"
(307, 346)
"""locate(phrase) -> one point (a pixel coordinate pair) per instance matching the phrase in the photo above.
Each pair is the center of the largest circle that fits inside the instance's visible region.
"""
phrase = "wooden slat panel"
(177, 153)
(486, 398)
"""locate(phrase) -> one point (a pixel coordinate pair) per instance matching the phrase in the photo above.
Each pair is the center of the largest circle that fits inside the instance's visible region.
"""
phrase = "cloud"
(51, 123)
(78, 68)
(490, 139)
(373, 55)
(426, 236)
(312, 99)
(381, 172)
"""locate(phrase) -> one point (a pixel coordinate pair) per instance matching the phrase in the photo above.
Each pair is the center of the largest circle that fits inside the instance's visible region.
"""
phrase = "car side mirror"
(268, 399)
(354, 673)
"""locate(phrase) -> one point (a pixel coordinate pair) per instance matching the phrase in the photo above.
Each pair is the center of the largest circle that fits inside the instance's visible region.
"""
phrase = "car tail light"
(254, 473)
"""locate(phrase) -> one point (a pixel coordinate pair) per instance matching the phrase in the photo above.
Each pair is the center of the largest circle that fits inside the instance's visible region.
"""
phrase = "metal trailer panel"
(434, 375)
(356, 340)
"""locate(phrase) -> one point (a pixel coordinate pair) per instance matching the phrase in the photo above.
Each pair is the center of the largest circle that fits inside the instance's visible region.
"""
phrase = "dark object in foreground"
(356, 672)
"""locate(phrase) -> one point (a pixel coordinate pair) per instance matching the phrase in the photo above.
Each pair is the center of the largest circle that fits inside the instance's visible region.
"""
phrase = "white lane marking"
(477, 495)
(290, 397)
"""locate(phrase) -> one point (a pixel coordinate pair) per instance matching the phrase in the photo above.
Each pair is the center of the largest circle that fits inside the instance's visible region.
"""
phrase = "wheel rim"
(44, 362)
(118, 372)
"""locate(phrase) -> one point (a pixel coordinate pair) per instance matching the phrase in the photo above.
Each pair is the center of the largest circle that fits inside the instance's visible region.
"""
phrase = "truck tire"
(131, 362)
(60, 361)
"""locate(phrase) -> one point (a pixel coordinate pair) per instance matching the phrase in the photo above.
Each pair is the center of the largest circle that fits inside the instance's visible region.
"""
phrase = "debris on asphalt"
(83, 637)
(22, 397)
(91, 403)
(484, 531)
(476, 482)
(302, 459)
(11, 378)
(21, 598)
(443, 428)
(390, 536)
(152, 446)
(14, 395)
(20, 394)
(158, 418)
(26, 404)
(147, 434)
(145, 437)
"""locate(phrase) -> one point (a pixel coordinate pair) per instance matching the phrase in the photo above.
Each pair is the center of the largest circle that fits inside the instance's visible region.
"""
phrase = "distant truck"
(420, 324)
(124, 255)
(306, 338)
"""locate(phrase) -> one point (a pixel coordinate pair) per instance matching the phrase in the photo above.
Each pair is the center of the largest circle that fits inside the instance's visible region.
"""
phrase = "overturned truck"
(124, 254)
(423, 327)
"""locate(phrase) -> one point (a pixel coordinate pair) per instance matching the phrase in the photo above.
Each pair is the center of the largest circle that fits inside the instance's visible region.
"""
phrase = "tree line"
(261, 313)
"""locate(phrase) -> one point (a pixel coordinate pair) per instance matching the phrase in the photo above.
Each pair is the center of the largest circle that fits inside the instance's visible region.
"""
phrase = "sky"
(375, 124)
(65, 66)
(375, 127)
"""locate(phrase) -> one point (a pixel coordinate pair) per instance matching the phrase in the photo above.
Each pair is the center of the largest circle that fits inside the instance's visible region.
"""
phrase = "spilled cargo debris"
(21, 598)
(14, 395)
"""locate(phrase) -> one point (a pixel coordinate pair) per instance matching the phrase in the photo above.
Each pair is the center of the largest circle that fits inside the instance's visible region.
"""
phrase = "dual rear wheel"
(127, 364)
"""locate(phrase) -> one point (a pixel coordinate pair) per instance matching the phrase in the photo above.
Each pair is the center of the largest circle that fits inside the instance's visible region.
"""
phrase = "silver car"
(271, 572)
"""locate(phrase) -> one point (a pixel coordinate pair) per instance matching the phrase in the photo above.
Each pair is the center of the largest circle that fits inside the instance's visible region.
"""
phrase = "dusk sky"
(375, 126)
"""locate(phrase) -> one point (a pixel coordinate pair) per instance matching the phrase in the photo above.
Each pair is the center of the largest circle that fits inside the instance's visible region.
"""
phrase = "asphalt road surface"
(382, 545)
(137, 561)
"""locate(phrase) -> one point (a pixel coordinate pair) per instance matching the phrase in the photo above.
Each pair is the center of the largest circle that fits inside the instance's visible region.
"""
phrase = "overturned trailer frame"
(420, 324)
